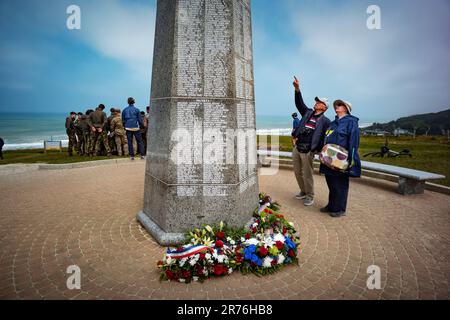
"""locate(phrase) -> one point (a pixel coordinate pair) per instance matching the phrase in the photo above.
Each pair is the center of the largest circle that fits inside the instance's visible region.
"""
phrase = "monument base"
(162, 237)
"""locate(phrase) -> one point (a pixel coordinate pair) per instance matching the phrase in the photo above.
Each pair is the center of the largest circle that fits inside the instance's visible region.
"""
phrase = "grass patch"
(39, 156)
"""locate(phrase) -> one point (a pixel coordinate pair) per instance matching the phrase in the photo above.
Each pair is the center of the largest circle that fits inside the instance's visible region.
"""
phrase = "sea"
(30, 130)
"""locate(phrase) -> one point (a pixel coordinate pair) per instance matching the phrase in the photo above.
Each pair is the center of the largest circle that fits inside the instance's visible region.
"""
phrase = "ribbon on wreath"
(187, 252)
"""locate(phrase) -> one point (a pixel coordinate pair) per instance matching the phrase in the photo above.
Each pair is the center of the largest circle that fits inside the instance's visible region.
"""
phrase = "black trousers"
(1, 153)
(338, 186)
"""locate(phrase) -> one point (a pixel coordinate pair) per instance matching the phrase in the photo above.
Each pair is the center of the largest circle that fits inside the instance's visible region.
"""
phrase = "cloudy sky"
(402, 69)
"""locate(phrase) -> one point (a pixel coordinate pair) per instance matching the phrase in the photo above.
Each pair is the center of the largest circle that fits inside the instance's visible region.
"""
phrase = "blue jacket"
(345, 133)
(321, 126)
(131, 118)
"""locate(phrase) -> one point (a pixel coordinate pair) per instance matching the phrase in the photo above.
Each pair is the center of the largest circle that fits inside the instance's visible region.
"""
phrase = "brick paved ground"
(53, 219)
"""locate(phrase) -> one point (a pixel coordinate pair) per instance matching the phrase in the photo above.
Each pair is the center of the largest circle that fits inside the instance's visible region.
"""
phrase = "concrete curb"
(286, 164)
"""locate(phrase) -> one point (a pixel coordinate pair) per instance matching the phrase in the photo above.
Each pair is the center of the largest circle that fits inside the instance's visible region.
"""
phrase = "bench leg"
(410, 186)
(263, 162)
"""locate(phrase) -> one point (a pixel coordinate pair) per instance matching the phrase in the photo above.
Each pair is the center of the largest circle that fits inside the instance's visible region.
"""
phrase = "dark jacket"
(322, 123)
(131, 117)
(345, 133)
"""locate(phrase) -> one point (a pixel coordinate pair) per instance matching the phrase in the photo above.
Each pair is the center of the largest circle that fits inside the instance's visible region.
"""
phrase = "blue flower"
(289, 243)
(249, 251)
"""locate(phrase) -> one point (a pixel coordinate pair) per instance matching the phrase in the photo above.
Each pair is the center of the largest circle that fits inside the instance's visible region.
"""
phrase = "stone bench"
(410, 181)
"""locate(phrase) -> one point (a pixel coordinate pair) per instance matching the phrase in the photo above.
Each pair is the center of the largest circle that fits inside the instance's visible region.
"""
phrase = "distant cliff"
(428, 123)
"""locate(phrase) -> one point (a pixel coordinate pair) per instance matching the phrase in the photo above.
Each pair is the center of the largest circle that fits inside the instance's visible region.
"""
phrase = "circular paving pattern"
(86, 217)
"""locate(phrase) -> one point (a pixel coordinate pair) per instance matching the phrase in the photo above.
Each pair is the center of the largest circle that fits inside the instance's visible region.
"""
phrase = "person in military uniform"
(120, 135)
(144, 130)
(70, 130)
(98, 122)
(89, 136)
(79, 133)
(111, 141)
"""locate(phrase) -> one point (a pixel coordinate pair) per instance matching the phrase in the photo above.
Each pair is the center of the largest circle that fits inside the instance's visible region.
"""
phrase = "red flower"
(220, 235)
(199, 269)
(218, 269)
(291, 253)
(284, 230)
(247, 236)
(169, 274)
(186, 274)
(160, 263)
(274, 262)
(279, 244)
(219, 244)
(202, 256)
(254, 230)
(263, 251)
(266, 210)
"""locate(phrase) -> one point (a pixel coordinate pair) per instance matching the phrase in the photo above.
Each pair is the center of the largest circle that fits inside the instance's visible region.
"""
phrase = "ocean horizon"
(30, 130)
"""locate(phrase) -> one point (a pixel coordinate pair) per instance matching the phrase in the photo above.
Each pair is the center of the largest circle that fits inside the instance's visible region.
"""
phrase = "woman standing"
(344, 132)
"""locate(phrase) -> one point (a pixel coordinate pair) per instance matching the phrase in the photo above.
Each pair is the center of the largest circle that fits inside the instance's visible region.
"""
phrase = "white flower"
(252, 241)
(232, 242)
(229, 239)
(280, 259)
(220, 258)
(182, 280)
(254, 225)
(183, 261)
(267, 263)
(291, 224)
(242, 239)
(208, 256)
(169, 260)
(205, 272)
(268, 241)
(195, 279)
(193, 262)
(230, 270)
(279, 237)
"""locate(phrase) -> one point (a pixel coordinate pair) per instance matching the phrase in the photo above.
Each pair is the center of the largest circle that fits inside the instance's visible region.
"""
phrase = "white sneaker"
(300, 196)
(308, 201)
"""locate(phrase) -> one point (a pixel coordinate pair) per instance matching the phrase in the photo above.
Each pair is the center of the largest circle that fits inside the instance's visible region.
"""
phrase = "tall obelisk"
(201, 159)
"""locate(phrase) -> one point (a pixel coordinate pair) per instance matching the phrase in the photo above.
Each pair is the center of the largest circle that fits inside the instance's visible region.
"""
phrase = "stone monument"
(201, 159)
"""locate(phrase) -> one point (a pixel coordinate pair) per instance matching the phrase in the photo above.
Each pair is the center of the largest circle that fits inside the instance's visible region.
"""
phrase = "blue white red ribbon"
(188, 252)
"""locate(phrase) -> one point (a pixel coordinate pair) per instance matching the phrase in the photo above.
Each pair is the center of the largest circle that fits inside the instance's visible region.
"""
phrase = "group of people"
(94, 133)
(310, 134)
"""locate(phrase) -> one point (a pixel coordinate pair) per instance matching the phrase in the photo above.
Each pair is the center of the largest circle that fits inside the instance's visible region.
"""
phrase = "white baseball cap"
(323, 100)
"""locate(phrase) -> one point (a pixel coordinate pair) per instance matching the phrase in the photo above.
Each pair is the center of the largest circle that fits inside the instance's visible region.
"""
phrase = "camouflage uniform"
(70, 130)
(112, 144)
(98, 120)
(120, 135)
(144, 132)
(79, 133)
